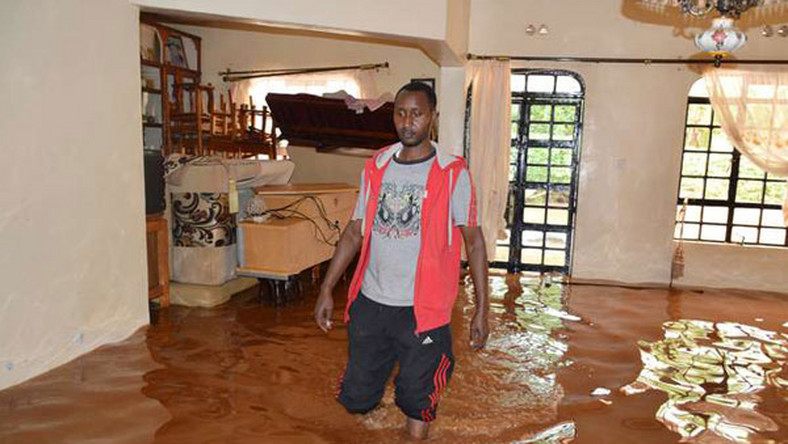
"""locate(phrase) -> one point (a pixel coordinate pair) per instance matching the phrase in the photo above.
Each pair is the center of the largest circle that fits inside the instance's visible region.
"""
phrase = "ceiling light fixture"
(723, 37)
(726, 8)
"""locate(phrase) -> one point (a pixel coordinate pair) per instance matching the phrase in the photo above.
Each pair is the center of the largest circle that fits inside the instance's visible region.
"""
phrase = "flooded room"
(362, 221)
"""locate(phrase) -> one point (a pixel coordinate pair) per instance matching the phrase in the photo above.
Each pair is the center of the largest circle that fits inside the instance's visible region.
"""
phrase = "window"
(729, 199)
(315, 84)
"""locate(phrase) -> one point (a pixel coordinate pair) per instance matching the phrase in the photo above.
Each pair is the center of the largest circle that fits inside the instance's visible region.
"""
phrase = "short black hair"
(422, 88)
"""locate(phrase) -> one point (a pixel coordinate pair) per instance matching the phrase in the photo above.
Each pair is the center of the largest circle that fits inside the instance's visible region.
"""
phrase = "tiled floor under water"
(706, 366)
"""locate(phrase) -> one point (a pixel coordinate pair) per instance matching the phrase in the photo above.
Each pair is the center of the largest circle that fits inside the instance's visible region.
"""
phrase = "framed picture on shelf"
(150, 43)
(176, 55)
(426, 81)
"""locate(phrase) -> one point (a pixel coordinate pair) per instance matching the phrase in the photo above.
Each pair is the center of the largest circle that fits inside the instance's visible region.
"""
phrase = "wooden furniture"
(241, 131)
(179, 113)
(191, 125)
(280, 248)
(251, 136)
(328, 123)
(169, 60)
(158, 263)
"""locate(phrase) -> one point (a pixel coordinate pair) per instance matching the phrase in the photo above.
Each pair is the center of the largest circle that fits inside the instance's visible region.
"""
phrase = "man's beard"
(409, 139)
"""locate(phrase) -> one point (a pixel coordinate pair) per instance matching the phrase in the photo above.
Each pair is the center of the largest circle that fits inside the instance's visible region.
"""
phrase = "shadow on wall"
(686, 26)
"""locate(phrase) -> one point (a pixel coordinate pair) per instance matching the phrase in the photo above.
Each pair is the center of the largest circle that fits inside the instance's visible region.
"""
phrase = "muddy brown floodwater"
(581, 364)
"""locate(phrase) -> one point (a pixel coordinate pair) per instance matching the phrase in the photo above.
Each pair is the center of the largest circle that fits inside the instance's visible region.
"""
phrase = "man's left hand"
(479, 330)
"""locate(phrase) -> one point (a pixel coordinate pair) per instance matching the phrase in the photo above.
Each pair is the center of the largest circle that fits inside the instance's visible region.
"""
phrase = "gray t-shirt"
(396, 232)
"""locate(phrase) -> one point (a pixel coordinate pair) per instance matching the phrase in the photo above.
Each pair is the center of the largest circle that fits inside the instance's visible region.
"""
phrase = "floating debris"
(561, 433)
(600, 391)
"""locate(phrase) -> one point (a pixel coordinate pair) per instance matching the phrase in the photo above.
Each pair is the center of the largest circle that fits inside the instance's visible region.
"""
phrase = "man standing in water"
(413, 206)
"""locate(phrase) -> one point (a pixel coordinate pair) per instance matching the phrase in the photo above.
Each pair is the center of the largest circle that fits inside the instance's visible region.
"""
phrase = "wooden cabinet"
(168, 59)
(284, 247)
(158, 264)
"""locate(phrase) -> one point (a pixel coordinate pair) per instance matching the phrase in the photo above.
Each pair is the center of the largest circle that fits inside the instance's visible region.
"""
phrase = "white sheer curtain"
(489, 144)
(359, 84)
(753, 110)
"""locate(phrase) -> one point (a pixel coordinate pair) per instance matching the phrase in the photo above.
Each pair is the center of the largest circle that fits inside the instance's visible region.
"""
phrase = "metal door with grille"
(547, 112)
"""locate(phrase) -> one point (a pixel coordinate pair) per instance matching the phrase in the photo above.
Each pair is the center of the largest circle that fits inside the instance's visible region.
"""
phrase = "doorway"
(546, 125)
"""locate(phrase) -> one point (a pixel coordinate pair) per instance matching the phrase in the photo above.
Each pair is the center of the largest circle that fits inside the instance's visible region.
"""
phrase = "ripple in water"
(713, 373)
(512, 382)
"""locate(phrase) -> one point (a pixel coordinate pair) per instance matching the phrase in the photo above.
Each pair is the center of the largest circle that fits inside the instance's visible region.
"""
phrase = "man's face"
(413, 117)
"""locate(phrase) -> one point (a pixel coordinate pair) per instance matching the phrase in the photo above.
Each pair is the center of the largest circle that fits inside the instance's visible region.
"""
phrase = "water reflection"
(561, 433)
(524, 353)
(713, 373)
(247, 372)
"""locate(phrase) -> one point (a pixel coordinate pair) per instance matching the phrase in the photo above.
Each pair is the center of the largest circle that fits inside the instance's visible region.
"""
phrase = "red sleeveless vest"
(438, 266)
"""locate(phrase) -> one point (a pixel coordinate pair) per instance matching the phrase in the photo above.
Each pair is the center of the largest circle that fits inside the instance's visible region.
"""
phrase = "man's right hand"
(323, 308)
(347, 247)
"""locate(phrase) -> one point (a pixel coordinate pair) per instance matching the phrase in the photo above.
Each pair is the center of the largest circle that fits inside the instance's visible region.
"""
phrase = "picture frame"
(176, 55)
(150, 43)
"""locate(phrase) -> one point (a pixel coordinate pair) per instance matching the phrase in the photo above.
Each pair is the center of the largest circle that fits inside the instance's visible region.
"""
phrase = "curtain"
(367, 86)
(489, 143)
(753, 110)
(359, 84)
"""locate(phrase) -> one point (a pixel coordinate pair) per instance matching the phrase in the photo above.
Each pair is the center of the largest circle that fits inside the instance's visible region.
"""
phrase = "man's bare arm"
(347, 247)
(477, 259)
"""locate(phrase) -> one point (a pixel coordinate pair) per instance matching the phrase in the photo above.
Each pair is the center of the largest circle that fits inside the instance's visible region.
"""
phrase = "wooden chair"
(197, 127)
(191, 118)
(262, 136)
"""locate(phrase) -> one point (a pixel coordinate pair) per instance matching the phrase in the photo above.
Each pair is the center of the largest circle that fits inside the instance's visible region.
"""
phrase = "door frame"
(518, 186)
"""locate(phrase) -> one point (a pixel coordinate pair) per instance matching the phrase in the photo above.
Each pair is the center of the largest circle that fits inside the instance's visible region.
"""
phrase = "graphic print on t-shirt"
(399, 211)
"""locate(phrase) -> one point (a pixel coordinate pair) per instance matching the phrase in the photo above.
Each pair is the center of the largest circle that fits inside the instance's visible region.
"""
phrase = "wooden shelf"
(184, 70)
(169, 67)
(159, 76)
(150, 63)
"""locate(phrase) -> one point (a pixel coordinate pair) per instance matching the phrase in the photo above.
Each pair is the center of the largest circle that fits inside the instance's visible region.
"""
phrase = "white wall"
(631, 152)
(734, 266)
(632, 139)
(458, 22)
(411, 18)
(72, 249)
(241, 50)
(609, 28)
(451, 108)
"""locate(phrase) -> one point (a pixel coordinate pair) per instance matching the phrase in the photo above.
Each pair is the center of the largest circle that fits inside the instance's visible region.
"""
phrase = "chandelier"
(726, 8)
(699, 8)
(723, 37)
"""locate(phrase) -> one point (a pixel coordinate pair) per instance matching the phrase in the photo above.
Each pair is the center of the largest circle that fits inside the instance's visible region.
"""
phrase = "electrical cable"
(291, 210)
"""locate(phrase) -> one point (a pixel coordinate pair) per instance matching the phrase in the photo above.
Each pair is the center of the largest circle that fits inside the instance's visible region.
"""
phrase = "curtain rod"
(716, 61)
(234, 76)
